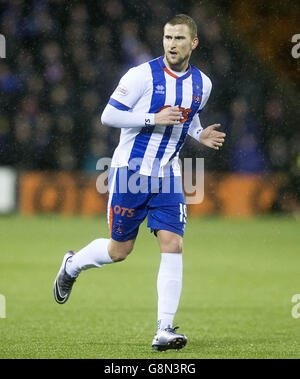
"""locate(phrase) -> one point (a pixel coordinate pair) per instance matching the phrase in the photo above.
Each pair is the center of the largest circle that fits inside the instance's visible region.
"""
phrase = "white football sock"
(169, 284)
(93, 255)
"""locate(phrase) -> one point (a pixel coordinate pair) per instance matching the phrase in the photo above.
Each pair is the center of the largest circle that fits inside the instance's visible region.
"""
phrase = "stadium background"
(241, 271)
(65, 58)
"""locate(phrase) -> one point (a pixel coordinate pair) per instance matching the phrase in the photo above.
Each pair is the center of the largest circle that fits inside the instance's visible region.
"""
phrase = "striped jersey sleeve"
(129, 90)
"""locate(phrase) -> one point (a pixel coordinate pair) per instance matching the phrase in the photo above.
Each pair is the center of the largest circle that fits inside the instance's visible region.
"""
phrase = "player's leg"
(98, 253)
(119, 251)
(169, 280)
(124, 220)
(119, 213)
(169, 285)
(167, 217)
(169, 242)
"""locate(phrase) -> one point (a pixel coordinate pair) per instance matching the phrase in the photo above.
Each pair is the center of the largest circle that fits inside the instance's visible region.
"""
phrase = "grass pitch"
(239, 279)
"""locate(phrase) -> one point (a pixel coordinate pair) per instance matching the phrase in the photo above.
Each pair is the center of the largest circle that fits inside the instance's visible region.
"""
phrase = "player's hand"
(168, 116)
(212, 138)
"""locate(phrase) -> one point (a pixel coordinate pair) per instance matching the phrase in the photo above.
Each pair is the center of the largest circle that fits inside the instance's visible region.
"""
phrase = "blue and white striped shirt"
(150, 149)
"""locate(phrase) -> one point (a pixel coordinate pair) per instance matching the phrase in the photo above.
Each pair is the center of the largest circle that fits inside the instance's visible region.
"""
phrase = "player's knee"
(169, 242)
(173, 246)
(119, 256)
(119, 251)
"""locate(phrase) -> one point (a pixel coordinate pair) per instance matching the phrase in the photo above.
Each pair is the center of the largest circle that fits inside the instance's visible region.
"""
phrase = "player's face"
(178, 46)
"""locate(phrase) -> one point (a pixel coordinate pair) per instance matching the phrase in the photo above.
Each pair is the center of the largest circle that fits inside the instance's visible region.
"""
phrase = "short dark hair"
(186, 20)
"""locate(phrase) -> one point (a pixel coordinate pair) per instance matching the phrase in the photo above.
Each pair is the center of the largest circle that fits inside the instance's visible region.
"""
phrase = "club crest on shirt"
(197, 99)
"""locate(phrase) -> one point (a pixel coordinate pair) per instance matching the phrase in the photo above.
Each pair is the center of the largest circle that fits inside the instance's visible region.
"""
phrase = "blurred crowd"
(64, 59)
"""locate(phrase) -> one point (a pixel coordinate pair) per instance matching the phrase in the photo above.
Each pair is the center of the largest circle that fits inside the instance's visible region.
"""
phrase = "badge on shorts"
(119, 229)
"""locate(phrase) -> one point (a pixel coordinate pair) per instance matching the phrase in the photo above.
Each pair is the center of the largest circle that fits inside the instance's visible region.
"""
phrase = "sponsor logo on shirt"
(122, 90)
(160, 89)
(185, 112)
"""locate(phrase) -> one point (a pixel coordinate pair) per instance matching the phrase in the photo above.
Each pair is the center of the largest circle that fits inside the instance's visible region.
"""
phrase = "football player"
(156, 105)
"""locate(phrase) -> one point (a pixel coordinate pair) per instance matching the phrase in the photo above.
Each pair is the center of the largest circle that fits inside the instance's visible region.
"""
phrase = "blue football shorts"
(132, 197)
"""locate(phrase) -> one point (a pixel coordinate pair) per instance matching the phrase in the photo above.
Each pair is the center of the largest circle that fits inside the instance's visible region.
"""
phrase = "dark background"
(64, 59)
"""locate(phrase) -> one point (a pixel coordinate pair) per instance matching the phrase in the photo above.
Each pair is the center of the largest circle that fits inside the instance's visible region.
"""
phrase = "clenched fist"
(168, 116)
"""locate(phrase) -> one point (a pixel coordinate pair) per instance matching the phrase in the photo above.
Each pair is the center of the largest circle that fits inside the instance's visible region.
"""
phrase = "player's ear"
(195, 43)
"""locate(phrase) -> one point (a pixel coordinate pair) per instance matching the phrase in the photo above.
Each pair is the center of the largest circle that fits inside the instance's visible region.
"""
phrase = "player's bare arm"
(211, 137)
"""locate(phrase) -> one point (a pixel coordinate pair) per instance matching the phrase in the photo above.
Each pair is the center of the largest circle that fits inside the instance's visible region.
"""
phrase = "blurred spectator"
(9, 82)
(134, 52)
(245, 153)
(22, 142)
(54, 69)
